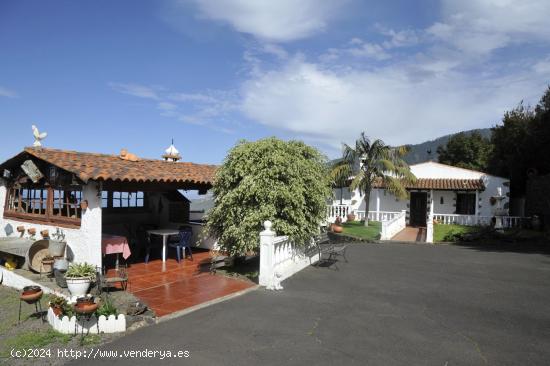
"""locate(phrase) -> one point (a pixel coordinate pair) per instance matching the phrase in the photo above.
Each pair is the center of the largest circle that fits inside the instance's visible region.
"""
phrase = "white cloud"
(5, 92)
(356, 48)
(209, 109)
(393, 102)
(481, 26)
(272, 20)
(135, 90)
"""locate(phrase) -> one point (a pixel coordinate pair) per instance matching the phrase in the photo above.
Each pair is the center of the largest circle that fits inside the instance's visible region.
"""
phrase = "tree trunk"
(367, 200)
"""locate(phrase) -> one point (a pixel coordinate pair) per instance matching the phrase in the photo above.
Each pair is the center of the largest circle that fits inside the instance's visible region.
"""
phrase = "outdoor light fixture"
(6, 174)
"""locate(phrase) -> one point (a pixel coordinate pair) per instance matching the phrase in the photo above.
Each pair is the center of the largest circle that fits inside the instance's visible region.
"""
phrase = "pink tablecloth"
(112, 244)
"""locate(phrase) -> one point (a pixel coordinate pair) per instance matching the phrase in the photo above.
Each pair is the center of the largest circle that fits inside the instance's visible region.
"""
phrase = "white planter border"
(68, 325)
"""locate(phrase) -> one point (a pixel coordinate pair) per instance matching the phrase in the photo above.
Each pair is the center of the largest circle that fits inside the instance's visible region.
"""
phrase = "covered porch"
(113, 212)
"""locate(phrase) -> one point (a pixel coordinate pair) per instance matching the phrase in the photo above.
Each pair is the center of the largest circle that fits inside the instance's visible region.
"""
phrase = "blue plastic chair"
(183, 244)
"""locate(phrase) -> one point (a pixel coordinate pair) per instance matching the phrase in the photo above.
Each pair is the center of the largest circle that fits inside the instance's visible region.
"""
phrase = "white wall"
(85, 242)
(449, 199)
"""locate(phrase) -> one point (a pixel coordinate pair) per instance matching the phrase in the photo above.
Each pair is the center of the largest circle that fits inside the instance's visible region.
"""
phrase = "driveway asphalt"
(392, 304)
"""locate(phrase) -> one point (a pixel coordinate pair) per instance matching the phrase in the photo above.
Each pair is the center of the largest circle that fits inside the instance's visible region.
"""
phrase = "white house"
(450, 194)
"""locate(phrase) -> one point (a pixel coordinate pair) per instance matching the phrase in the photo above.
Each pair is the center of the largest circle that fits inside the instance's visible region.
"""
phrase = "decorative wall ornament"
(32, 171)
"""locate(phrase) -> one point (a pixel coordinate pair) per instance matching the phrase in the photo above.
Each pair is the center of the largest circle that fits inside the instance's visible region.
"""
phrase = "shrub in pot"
(79, 276)
(58, 303)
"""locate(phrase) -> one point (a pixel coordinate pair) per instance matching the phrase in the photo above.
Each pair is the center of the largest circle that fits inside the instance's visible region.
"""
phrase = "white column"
(91, 225)
(378, 204)
(476, 212)
(430, 222)
(267, 271)
(3, 193)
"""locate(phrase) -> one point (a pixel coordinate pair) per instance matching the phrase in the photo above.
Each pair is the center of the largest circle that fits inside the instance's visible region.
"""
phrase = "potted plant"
(58, 303)
(31, 294)
(337, 226)
(351, 216)
(85, 305)
(79, 276)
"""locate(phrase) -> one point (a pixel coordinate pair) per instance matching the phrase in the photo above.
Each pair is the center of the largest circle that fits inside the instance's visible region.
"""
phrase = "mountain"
(419, 152)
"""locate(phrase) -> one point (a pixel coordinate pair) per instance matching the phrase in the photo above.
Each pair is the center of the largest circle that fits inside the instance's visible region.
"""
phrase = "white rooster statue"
(38, 136)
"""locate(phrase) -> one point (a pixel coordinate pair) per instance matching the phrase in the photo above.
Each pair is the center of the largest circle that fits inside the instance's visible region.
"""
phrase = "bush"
(284, 182)
(77, 270)
(107, 308)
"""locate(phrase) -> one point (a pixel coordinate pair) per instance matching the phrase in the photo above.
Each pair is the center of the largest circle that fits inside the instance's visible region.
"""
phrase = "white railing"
(471, 220)
(334, 211)
(280, 258)
(511, 221)
(393, 226)
(378, 215)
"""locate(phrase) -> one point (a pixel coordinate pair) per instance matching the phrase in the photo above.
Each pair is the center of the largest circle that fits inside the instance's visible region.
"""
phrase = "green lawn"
(445, 232)
(358, 229)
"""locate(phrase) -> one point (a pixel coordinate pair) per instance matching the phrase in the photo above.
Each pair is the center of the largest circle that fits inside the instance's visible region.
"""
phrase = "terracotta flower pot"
(85, 308)
(31, 289)
(21, 229)
(351, 217)
(57, 310)
(337, 228)
(31, 297)
(85, 300)
(31, 231)
(45, 233)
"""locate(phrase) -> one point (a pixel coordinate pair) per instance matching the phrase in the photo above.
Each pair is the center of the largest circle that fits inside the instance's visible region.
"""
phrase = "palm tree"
(371, 162)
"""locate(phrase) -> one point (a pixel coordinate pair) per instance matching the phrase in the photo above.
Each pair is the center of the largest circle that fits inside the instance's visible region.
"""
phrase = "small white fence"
(342, 211)
(378, 215)
(280, 258)
(472, 220)
(101, 324)
(393, 226)
(334, 211)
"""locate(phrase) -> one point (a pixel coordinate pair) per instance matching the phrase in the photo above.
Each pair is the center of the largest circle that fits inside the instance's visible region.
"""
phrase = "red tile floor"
(411, 234)
(171, 286)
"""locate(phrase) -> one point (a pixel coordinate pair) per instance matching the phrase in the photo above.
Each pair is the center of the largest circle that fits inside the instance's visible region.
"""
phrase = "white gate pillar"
(378, 205)
(476, 212)
(267, 238)
(430, 222)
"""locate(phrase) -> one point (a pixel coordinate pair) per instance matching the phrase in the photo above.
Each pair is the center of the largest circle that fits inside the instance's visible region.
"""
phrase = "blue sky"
(101, 75)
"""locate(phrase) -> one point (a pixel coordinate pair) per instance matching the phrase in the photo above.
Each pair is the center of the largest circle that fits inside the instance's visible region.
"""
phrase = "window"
(67, 203)
(122, 199)
(465, 203)
(104, 199)
(441, 200)
(44, 204)
(28, 200)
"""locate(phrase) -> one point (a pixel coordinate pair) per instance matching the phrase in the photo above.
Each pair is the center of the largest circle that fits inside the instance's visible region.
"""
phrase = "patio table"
(115, 244)
(165, 233)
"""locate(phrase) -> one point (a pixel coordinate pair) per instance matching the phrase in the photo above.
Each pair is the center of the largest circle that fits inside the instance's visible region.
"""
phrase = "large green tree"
(370, 161)
(522, 143)
(513, 146)
(466, 150)
(270, 179)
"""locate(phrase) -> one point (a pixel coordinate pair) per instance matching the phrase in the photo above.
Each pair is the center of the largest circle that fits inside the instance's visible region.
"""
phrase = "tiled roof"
(105, 167)
(444, 184)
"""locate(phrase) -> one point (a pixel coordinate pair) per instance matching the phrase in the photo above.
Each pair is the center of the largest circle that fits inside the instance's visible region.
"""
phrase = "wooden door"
(418, 206)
